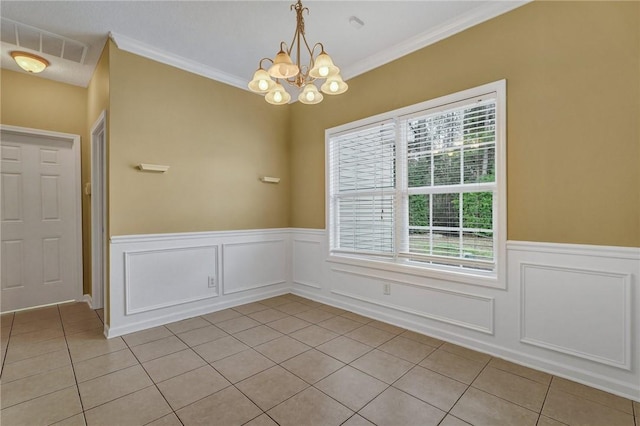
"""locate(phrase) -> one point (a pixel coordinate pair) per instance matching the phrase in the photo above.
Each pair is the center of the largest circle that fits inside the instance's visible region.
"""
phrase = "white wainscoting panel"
(580, 312)
(269, 265)
(570, 310)
(462, 309)
(159, 278)
(307, 262)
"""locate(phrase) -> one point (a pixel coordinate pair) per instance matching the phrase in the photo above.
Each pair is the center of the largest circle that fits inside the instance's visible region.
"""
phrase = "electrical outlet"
(386, 289)
(212, 282)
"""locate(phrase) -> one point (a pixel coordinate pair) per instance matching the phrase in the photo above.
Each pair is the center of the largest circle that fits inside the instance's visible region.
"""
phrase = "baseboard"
(87, 298)
(578, 375)
(187, 313)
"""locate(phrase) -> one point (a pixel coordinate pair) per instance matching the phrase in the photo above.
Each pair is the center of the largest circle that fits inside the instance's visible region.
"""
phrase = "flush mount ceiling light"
(30, 62)
(320, 67)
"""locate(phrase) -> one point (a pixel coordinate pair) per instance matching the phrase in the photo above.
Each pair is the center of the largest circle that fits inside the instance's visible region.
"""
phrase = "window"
(422, 188)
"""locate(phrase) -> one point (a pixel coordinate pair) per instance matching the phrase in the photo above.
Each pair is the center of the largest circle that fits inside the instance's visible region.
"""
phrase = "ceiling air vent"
(32, 38)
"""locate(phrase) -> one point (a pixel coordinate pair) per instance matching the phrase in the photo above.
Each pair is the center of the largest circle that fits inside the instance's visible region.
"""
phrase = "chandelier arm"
(301, 31)
(291, 81)
(314, 48)
(311, 60)
(264, 59)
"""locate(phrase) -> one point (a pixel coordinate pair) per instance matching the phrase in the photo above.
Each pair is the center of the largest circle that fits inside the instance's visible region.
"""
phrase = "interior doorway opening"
(98, 212)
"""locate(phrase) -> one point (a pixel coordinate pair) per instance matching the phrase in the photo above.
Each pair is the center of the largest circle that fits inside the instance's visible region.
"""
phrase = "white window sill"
(441, 273)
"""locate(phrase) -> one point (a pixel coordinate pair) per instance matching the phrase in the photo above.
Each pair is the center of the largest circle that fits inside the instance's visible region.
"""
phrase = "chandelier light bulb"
(261, 82)
(310, 95)
(334, 85)
(277, 95)
(323, 66)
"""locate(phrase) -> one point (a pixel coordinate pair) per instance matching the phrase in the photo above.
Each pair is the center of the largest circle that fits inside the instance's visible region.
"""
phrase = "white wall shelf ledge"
(156, 168)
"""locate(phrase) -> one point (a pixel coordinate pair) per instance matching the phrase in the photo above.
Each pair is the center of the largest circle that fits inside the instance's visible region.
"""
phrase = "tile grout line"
(6, 351)
(504, 399)
(466, 390)
(75, 378)
(634, 410)
(246, 396)
(210, 364)
(49, 371)
(151, 379)
(544, 400)
(355, 412)
(276, 364)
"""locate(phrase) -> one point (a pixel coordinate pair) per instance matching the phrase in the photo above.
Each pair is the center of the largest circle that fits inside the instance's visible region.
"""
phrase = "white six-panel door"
(40, 256)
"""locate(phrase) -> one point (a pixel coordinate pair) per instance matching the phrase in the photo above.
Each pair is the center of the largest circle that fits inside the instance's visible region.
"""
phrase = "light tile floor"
(284, 360)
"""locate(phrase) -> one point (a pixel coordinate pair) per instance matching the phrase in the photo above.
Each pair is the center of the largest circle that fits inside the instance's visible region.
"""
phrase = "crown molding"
(142, 49)
(433, 35)
(461, 23)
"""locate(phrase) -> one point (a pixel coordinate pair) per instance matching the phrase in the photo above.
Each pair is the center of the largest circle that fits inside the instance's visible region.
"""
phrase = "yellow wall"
(217, 139)
(97, 102)
(98, 89)
(573, 91)
(30, 101)
(573, 124)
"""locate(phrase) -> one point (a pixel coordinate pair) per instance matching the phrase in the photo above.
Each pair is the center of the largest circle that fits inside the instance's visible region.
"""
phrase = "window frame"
(398, 263)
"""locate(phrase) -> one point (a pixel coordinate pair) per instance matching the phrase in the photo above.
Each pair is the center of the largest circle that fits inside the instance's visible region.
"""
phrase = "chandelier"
(302, 76)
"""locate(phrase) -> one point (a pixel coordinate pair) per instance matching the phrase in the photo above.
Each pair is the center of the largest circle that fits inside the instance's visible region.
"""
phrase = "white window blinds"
(362, 182)
(450, 165)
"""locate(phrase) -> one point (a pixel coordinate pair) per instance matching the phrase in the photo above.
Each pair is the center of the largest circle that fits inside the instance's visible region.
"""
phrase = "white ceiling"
(224, 40)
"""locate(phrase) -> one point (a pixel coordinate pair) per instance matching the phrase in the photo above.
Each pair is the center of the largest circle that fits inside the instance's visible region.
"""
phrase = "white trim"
(471, 326)
(617, 252)
(625, 279)
(252, 275)
(460, 23)
(42, 306)
(189, 313)
(433, 35)
(127, 279)
(495, 279)
(147, 238)
(294, 279)
(544, 364)
(75, 147)
(457, 276)
(492, 327)
(151, 52)
(87, 298)
(256, 286)
(98, 208)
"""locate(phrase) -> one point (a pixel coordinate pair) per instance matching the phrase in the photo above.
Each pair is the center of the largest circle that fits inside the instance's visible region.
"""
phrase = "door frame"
(98, 211)
(77, 178)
